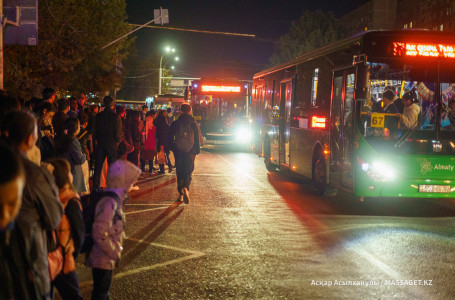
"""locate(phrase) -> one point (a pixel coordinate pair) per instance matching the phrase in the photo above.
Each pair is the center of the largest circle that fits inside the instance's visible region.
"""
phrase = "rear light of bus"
(318, 122)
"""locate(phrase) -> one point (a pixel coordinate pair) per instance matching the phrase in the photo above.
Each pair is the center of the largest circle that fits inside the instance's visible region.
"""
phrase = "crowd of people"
(55, 154)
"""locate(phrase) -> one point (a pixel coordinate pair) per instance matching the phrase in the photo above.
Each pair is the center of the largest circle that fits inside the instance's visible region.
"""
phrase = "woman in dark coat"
(162, 131)
(134, 129)
(69, 148)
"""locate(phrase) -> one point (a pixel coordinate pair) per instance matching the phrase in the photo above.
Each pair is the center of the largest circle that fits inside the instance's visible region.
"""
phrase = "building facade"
(436, 15)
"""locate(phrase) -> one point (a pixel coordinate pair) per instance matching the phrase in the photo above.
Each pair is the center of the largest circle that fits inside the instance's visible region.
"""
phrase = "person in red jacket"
(148, 151)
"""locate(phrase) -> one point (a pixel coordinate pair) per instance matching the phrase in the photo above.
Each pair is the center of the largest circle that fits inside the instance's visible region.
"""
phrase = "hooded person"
(109, 226)
(411, 110)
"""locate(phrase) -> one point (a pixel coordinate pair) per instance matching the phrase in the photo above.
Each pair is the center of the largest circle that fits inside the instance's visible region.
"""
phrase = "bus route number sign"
(377, 120)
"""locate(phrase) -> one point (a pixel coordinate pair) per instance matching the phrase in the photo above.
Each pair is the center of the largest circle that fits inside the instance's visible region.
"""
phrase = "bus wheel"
(320, 177)
(267, 153)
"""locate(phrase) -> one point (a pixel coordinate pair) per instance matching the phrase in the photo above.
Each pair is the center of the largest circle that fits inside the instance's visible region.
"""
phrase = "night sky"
(206, 55)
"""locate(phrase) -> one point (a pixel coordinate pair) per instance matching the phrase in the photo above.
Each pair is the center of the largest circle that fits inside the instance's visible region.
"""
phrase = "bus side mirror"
(362, 84)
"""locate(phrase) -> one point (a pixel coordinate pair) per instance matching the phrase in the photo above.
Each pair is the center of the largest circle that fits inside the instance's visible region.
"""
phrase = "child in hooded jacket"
(109, 227)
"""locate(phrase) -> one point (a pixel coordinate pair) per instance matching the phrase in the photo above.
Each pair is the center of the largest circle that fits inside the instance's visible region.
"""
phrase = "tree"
(141, 77)
(68, 56)
(311, 31)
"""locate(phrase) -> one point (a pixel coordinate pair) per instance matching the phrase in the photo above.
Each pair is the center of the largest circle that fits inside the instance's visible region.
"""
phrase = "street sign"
(161, 16)
(21, 22)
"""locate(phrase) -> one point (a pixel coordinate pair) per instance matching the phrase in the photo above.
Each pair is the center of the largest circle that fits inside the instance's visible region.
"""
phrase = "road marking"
(141, 193)
(192, 255)
(246, 174)
(144, 210)
(417, 291)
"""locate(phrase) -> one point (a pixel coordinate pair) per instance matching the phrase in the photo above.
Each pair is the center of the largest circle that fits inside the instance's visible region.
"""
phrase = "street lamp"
(168, 50)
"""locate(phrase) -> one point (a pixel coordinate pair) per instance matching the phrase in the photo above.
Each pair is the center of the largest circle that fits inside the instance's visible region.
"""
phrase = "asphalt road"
(249, 233)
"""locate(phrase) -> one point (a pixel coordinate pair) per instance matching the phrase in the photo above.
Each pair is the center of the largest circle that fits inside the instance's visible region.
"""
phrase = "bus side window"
(314, 87)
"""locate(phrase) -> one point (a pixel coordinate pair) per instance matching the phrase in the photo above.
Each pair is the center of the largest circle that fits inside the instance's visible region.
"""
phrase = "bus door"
(342, 128)
(285, 122)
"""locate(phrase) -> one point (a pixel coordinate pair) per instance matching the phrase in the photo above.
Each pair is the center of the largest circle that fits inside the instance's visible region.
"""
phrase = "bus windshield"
(407, 111)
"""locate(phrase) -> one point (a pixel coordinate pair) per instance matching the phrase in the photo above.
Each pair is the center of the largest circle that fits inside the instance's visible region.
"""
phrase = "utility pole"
(1, 45)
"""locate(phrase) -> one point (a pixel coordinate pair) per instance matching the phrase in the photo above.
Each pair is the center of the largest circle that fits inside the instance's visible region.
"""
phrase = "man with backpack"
(184, 142)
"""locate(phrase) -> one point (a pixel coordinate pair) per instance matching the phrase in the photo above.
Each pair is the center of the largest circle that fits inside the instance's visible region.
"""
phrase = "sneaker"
(161, 172)
(135, 188)
(170, 169)
(180, 198)
(186, 196)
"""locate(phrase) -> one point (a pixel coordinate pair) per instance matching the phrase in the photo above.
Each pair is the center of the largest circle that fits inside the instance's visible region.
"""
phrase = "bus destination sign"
(423, 50)
(221, 88)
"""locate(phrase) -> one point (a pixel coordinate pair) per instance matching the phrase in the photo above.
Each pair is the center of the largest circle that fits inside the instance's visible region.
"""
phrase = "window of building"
(410, 24)
(405, 26)
(314, 87)
(441, 28)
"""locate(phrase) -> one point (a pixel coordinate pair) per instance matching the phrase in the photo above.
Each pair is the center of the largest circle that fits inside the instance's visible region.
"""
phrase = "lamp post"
(168, 50)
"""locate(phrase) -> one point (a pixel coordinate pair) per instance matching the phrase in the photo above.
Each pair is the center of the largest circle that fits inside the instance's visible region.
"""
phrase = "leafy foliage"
(68, 56)
(311, 31)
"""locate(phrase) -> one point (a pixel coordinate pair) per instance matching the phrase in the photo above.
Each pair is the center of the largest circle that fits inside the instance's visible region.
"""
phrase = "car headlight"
(379, 171)
(243, 135)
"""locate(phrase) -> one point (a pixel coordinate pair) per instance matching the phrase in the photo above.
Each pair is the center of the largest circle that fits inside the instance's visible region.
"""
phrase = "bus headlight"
(243, 135)
(379, 171)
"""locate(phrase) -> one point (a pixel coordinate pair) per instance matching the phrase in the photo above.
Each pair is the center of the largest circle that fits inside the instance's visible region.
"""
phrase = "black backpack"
(184, 137)
(89, 203)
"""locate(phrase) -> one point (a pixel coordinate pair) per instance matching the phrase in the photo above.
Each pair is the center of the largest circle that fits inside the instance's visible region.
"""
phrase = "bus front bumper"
(408, 188)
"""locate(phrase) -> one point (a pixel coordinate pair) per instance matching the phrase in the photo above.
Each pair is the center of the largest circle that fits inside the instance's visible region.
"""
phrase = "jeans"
(102, 280)
(68, 286)
(184, 165)
(101, 153)
(151, 168)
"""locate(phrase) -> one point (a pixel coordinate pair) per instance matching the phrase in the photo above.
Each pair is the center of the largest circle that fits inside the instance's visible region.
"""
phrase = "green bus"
(323, 115)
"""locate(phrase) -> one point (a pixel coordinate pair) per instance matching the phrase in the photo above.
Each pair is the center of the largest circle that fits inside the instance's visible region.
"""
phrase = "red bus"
(222, 107)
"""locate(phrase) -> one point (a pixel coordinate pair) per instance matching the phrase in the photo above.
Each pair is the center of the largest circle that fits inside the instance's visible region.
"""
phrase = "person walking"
(108, 134)
(184, 143)
(148, 151)
(109, 226)
(162, 132)
(41, 209)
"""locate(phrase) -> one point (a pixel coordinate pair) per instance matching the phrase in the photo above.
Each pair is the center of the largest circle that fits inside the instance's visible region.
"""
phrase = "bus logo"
(425, 167)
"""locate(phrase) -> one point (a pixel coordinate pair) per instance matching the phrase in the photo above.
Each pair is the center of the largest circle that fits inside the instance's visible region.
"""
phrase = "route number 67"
(377, 120)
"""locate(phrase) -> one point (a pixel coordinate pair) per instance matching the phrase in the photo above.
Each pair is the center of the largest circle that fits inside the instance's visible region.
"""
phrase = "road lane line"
(417, 291)
(141, 193)
(145, 210)
(193, 255)
(164, 246)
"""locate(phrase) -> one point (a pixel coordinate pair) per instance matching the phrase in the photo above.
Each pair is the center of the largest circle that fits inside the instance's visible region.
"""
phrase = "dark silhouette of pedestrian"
(184, 142)
(108, 134)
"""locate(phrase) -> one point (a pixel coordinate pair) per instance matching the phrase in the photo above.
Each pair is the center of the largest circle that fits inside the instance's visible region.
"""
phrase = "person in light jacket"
(411, 110)
(109, 226)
